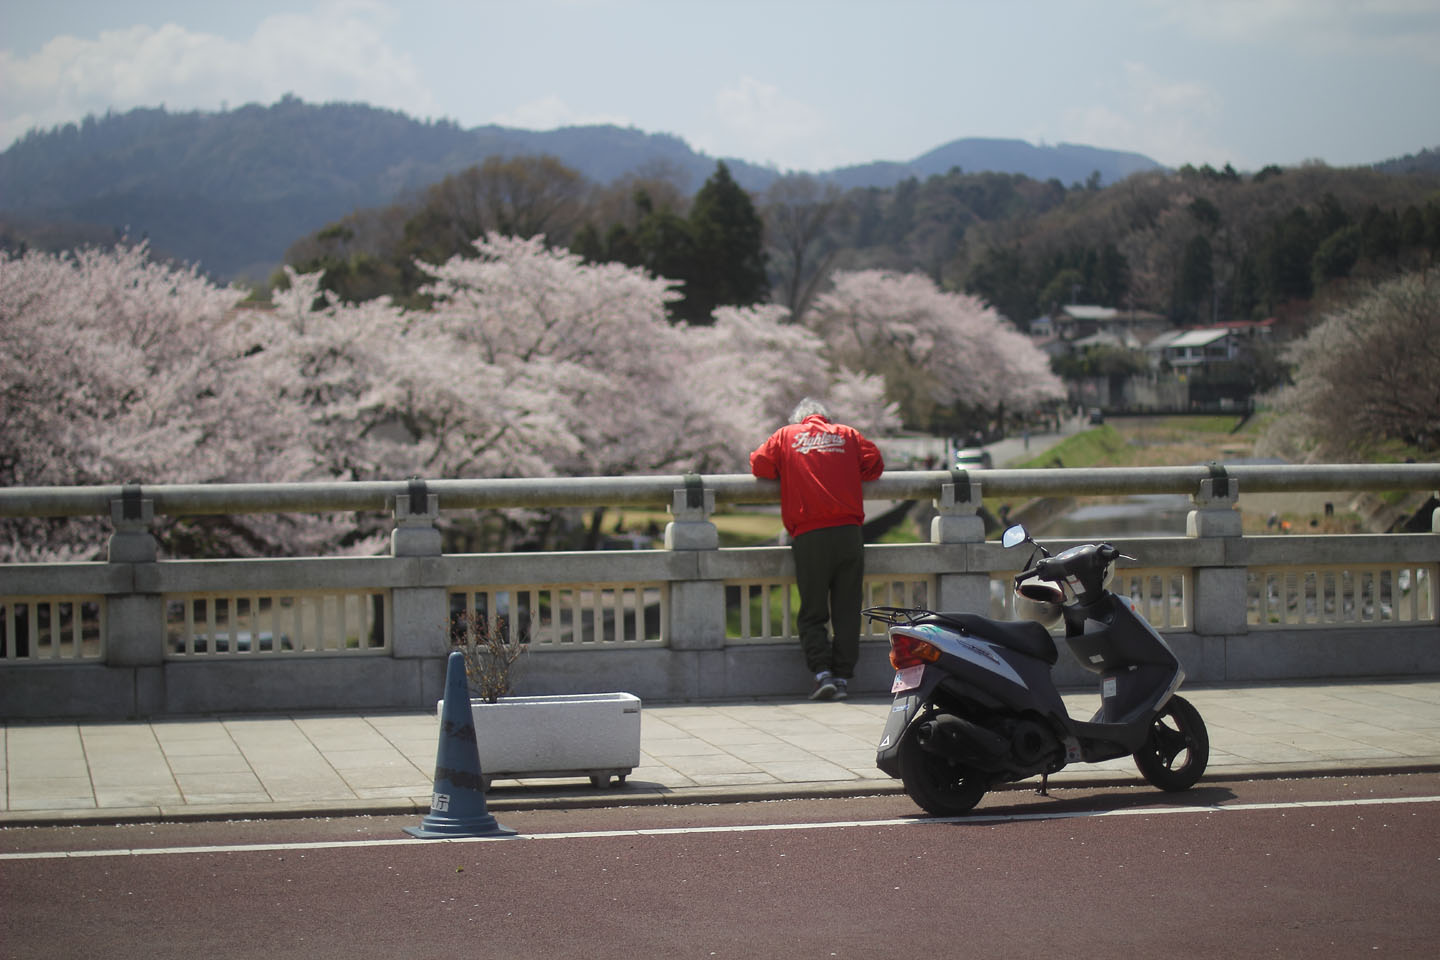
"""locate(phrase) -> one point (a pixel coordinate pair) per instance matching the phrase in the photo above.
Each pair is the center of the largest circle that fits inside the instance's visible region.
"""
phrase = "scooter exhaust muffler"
(958, 739)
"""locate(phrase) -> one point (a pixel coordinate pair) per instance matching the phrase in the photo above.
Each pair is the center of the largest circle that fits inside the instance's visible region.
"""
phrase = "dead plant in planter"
(490, 651)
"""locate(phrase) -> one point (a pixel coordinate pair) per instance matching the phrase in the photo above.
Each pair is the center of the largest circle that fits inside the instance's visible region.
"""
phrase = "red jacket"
(820, 466)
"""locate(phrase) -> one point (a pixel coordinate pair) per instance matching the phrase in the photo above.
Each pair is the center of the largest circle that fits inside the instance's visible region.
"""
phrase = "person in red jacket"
(820, 465)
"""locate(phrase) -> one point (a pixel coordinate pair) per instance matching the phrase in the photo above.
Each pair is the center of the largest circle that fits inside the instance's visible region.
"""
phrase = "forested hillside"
(232, 190)
(1068, 163)
(1426, 161)
(1198, 245)
(1205, 245)
(363, 193)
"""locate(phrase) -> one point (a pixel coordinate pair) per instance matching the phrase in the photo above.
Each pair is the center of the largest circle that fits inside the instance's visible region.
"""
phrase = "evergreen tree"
(1412, 227)
(1380, 235)
(1337, 254)
(665, 243)
(1287, 256)
(729, 249)
(1112, 276)
(1331, 216)
(588, 245)
(621, 247)
(1003, 279)
(1432, 226)
(1194, 283)
(1244, 290)
(1065, 287)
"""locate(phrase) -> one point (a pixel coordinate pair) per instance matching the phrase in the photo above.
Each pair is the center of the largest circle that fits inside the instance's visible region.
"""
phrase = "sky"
(800, 85)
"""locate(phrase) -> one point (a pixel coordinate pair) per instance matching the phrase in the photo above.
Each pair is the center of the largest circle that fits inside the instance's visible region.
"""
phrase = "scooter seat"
(1022, 636)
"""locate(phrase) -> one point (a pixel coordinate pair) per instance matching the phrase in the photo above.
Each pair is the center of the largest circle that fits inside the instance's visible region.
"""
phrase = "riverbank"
(1183, 441)
(1121, 442)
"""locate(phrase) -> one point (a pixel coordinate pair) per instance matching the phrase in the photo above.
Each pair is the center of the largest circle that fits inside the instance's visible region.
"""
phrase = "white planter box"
(595, 735)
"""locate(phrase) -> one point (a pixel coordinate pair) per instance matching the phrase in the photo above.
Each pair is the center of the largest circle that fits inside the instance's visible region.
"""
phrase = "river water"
(1144, 515)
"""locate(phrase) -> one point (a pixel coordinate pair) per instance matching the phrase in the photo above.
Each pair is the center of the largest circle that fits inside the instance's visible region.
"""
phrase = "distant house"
(1188, 349)
(1256, 331)
(1205, 346)
(1188, 367)
(1123, 340)
(1076, 321)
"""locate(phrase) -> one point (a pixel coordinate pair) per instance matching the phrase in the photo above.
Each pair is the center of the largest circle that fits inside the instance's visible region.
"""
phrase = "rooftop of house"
(1098, 314)
(1179, 339)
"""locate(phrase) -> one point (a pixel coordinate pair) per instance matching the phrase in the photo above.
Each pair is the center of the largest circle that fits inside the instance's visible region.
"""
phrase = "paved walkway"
(383, 763)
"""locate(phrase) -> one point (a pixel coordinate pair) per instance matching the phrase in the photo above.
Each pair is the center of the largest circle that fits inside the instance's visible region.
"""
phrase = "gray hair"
(808, 407)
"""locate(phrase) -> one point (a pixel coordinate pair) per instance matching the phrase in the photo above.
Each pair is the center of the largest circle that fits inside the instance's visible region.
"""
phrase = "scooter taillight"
(908, 651)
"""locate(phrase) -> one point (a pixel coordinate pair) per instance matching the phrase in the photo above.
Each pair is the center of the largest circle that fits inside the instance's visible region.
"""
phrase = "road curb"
(634, 795)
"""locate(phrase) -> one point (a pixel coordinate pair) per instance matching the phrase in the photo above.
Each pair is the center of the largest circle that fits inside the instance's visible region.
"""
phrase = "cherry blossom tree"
(594, 338)
(386, 393)
(1366, 378)
(94, 347)
(640, 393)
(756, 366)
(120, 369)
(530, 363)
(933, 349)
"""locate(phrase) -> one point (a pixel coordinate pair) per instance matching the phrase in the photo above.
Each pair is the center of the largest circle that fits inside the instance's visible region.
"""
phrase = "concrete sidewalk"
(247, 767)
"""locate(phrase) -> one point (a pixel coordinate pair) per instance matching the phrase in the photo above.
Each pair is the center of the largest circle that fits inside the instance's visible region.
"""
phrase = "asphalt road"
(1336, 867)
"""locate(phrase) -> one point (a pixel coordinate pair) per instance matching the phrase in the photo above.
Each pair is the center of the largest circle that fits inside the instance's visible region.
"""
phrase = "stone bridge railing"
(138, 636)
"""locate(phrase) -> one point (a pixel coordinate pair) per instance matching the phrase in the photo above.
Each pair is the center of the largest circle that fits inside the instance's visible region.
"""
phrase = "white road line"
(685, 831)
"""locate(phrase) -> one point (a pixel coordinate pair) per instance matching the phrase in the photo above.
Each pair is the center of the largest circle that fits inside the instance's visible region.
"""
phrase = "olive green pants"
(830, 570)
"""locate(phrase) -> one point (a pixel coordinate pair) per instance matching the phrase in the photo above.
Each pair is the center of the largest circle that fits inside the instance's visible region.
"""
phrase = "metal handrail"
(379, 495)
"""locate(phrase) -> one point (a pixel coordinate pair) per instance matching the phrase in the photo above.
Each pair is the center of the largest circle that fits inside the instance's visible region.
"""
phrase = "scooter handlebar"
(1059, 568)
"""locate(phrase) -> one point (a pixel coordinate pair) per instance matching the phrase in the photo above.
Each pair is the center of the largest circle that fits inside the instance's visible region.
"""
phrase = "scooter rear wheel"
(942, 787)
(1178, 747)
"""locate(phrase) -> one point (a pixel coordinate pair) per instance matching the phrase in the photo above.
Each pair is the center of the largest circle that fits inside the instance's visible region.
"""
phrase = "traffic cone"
(457, 805)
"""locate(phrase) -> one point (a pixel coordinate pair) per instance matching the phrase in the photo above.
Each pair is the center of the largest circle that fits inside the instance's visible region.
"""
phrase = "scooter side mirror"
(1014, 536)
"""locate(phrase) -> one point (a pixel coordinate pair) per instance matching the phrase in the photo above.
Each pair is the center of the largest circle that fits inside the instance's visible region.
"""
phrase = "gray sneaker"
(824, 687)
(842, 688)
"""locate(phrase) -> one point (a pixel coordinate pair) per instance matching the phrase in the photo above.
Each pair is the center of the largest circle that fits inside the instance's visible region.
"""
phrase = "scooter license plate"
(907, 678)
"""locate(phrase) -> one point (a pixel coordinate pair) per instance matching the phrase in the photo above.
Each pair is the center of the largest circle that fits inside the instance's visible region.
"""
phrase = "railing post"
(419, 615)
(957, 509)
(1215, 514)
(415, 534)
(957, 521)
(134, 622)
(691, 507)
(1219, 601)
(697, 606)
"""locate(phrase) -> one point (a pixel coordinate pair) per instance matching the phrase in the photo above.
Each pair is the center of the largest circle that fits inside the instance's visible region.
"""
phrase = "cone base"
(439, 827)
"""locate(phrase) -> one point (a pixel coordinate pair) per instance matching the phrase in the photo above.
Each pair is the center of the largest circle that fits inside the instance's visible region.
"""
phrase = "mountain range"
(233, 190)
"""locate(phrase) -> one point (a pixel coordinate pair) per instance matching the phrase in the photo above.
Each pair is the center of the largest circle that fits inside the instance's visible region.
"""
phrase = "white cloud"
(755, 119)
(339, 52)
(1408, 29)
(1172, 122)
(551, 112)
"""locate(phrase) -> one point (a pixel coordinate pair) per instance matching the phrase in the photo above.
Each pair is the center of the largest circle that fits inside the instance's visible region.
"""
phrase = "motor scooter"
(975, 705)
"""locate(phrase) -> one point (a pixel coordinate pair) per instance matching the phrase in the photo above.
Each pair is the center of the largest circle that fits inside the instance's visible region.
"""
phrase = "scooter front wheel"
(1178, 747)
(942, 787)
